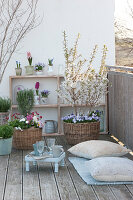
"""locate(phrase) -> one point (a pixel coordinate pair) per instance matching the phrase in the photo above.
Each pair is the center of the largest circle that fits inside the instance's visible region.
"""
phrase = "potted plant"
(50, 66)
(25, 99)
(37, 97)
(29, 68)
(39, 68)
(82, 88)
(44, 96)
(6, 133)
(18, 69)
(28, 130)
(5, 105)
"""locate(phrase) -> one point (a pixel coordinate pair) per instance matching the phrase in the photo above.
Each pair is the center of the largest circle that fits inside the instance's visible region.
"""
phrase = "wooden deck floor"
(41, 183)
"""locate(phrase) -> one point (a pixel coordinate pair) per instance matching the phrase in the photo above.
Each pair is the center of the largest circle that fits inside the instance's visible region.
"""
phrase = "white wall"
(93, 19)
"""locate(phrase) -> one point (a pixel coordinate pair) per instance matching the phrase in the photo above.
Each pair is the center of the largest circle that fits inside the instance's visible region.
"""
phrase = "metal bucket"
(51, 126)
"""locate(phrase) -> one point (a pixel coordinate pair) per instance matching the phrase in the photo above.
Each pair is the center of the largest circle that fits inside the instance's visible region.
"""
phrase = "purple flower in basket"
(80, 118)
(45, 93)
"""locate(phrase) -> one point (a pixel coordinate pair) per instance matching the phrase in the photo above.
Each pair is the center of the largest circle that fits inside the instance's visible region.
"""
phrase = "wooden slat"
(78, 105)
(65, 185)
(52, 134)
(3, 172)
(13, 190)
(31, 187)
(48, 185)
(120, 67)
(104, 193)
(34, 76)
(121, 107)
(83, 190)
(130, 188)
(121, 192)
(40, 106)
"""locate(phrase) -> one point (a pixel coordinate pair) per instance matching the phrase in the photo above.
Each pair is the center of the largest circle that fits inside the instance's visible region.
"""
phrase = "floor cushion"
(97, 148)
(111, 169)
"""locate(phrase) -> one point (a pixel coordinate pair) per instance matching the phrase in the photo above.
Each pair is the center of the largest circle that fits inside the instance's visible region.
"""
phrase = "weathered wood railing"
(120, 103)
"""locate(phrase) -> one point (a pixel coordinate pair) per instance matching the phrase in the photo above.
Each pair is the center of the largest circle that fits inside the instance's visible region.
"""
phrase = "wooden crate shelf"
(57, 105)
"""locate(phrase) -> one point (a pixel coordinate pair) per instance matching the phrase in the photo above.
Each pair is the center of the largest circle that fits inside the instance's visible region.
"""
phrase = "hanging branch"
(17, 19)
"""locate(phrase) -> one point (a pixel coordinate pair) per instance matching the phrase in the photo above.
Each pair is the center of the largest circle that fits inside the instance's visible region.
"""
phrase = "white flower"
(22, 120)
(18, 128)
(26, 122)
(35, 119)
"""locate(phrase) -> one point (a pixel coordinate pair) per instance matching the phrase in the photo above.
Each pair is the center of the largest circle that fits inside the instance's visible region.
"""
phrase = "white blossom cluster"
(82, 87)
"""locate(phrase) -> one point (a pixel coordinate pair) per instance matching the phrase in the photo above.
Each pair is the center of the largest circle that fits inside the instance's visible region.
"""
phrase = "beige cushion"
(111, 169)
(97, 148)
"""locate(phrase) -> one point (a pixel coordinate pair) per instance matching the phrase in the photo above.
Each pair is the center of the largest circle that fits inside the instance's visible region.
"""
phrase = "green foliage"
(5, 104)
(6, 131)
(25, 99)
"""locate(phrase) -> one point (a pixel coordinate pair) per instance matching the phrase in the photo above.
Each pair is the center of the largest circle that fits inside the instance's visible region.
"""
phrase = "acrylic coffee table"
(59, 161)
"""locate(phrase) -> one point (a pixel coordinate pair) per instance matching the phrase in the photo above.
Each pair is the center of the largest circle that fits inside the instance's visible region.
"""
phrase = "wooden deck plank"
(121, 192)
(31, 188)
(130, 188)
(104, 193)
(48, 185)
(41, 183)
(13, 190)
(3, 171)
(65, 185)
(84, 191)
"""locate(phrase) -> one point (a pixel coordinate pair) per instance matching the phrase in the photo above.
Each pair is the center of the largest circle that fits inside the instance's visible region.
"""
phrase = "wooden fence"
(120, 104)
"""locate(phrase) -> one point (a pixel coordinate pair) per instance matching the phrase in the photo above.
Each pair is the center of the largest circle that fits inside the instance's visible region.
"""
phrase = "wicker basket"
(3, 116)
(26, 138)
(80, 132)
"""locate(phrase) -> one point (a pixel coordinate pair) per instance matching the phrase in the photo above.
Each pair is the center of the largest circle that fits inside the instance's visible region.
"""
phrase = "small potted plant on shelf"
(37, 96)
(5, 105)
(82, 88)
(18, 69)
(25, 99)
(39, 68)
(50, 66)
(6, 133)
(27, 130)
(44, 96)
(29, 68)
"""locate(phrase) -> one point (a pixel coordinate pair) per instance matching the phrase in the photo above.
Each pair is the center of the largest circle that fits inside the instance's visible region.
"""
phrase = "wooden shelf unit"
(58, 105)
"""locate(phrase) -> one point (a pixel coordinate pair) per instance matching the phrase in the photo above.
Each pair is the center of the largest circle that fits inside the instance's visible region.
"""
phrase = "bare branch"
(17, 19)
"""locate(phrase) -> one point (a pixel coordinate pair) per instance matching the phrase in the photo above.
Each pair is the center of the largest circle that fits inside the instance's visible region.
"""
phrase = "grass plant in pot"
(27, 125)
(18, 69)
(6, 133)
(5, 105)
(82, 87)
